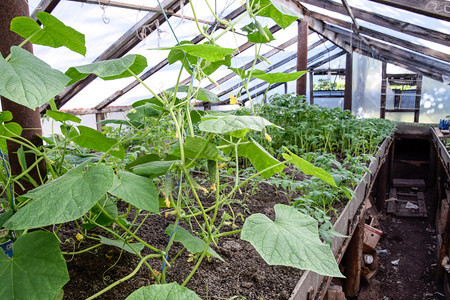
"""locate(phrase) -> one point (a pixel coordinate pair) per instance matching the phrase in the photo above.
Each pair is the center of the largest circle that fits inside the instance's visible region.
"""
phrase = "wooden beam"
(117, 50)
(348, 82)
(383, 36)
(418, 97)
(99, 117)
(384, 21)
(279, 64)
(266, 55)
(438, 9)
(241, 48)
(250, 63)
(302, 55)
(383, 90)
(320, 27)
(116, 95)
(311, 67)
(431, 66)
(44, 5)
(169, 13)
(328, 59)
(398, 61)
(90, 111)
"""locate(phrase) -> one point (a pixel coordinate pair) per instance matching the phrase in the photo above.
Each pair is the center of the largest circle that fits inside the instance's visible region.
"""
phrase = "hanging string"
(105, 19)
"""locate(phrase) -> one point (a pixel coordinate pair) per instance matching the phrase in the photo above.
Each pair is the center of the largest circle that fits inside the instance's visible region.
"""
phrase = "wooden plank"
(384, 21)
(44, 5)
(422, 206)
(438, 9)
(353, 258)
(406, 183)
(392, 201)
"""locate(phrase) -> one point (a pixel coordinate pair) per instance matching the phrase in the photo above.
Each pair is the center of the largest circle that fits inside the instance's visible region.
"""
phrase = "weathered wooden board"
(409, 183)
(310, 282)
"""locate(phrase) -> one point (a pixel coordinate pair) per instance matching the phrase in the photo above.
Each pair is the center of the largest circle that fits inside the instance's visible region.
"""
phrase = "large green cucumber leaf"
(208, 52)
(64, 199)
(137, 190)
(277, 77)
(142, 112)
(109, 69)
(227, 124)
(37, 269)
(192, 243)
(193, 145)
(291, 240)
(95, 140)
(260, 158)
(170, 291)
(62, 116)
(277, 11)
(308, 168)
(53, 32)
(122, 245)
(200, 93)
(97, 214)
(29, 81)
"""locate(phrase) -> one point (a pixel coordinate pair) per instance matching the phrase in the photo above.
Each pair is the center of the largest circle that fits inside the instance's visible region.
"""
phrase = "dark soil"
(243, 274)
(412, 241)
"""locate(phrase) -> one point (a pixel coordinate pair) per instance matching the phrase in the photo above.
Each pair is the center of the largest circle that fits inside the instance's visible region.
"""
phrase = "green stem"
(227, 233)
(24, 42)
(126, 230)
(138, 267)
(82, 251)
(199, 261)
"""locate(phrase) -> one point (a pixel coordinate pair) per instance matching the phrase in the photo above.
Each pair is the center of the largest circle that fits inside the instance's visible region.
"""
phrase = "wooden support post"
(348, 81)
(311, 87)
(99, 117)
(383, 90)
(353, 261)
(302, 55)
(206, 106)
(382, 182)
(30, 120)
(418, 97)
(391, 163)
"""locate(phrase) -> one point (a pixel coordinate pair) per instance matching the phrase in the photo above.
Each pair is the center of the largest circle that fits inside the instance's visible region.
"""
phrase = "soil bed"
(243, 274)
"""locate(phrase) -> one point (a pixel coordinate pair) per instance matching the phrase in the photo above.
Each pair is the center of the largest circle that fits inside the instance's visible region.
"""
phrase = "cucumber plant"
(84, 186)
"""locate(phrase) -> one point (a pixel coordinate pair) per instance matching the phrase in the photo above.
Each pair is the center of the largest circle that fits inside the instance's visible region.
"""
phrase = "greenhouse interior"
(234, 149)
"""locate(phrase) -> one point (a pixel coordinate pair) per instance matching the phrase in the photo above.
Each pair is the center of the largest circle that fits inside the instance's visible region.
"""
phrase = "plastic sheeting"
(435, 102)
(366, 86)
